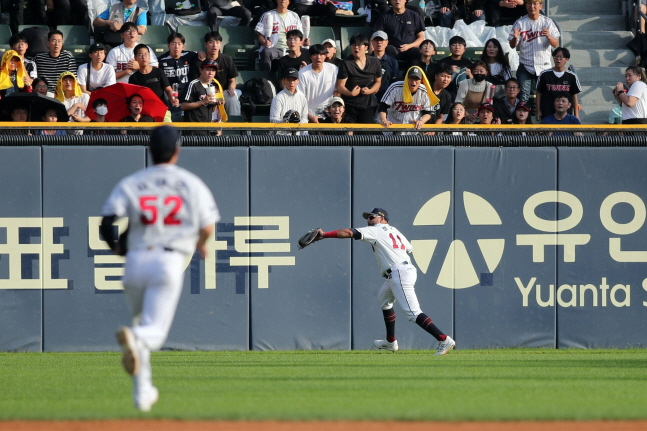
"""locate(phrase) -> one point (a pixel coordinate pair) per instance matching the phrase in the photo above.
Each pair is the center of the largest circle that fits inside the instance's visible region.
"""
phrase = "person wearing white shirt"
(122, 58)
(317, 82)
(289, 99)
(96, 73)
(634, 101)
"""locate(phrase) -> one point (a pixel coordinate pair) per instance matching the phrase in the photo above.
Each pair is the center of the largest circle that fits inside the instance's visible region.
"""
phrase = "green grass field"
(516, 384)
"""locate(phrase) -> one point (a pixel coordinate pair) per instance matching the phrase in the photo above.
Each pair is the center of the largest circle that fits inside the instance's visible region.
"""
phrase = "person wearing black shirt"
(176, 63)
(136, 106)
(461, 66)
(405, 28)
(197, 102)
(296, 58)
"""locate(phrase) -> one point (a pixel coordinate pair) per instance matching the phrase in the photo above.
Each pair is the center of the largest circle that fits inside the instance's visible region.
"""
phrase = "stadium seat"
(238, 43)
(158, 48)
(441, 52)
(473, 54)
(319, 34)
(194, 35)
(76, 40)
(5, 34)
(347, 32)
(156, 35)
(3, 49)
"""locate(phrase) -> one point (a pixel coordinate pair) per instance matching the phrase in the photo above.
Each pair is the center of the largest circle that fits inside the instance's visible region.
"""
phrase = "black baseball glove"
(123, 243)
(308, 238)
(292, 116)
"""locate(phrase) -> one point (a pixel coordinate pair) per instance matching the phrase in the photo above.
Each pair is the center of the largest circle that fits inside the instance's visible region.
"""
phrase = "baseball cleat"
(130, 355)
(145, 403)
(385, 345)
(445, 346)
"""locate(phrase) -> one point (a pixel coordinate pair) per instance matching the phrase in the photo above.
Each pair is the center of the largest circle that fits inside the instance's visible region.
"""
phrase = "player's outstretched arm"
(204, 235)
(341, 233)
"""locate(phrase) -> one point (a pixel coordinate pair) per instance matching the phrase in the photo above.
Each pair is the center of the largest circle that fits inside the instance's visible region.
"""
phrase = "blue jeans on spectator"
(527, 81)
(156, 11)
(447, 18)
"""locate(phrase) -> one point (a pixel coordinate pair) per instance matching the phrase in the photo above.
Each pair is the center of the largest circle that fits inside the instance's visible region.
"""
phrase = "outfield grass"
(516, 384)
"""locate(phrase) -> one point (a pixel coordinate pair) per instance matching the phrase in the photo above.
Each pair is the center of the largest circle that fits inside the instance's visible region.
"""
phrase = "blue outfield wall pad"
(495, 277)
(403, 181)
(299, 299)
(21, 221)
(601, 294)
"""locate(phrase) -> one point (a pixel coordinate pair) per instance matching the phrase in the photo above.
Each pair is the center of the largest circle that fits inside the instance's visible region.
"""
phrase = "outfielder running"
(391, 247)
(171, 214)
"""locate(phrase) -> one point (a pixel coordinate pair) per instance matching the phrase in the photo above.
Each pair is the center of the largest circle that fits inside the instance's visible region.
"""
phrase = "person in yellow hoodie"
(75, 100)
(13, 77)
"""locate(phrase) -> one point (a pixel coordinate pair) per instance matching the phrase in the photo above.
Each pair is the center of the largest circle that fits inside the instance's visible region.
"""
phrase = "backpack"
(459, 76)
(260, 90)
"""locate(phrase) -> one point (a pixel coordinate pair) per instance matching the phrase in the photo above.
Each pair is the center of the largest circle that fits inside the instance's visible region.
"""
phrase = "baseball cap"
(337, 100)
(486, 106)
(376, 212)
(415, 72)
(209, 63)
(164, 141)
(330, 41)
(291, 73)
(380, 35)
(522, 105)
(97, 47)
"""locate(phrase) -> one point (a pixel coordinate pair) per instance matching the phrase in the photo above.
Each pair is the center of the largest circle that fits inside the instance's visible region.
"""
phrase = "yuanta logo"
(457, 271)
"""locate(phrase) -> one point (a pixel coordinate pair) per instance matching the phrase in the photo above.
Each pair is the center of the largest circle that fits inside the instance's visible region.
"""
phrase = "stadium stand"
(238, 43)
(194, 35)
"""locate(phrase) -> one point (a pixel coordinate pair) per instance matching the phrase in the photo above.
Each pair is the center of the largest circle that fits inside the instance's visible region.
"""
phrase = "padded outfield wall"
(515, 247)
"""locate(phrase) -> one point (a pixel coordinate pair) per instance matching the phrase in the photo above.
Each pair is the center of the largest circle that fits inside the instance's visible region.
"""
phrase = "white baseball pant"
(400, 287)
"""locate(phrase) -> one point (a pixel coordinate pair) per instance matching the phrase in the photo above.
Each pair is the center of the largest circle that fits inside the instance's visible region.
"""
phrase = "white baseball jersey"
(534, 47)
(291, 21)
(389, 244)
(405, 113)
(119, 57)
(166, 206)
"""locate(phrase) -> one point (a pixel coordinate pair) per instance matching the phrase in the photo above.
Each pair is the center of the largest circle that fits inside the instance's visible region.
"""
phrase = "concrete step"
(607, 22)
(600, 76)
(602, 57)
(596, 95)
(595, 114)
(580, 6)
(596, 39)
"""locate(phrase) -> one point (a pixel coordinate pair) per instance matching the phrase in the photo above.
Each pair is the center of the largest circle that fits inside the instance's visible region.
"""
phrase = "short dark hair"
(513, 80)
(457, 39)
(564, 95)
(565, 52)
(426, 41)
(212, 35)
(139, 47)
(39, 79)
(99, 102)
(293, 33)
(318, 49)
(482, 64)
(358, 39)
(130, 98)
(53, 32)
(18, 37)
(175, 35)
(444, 68)
(128, 25)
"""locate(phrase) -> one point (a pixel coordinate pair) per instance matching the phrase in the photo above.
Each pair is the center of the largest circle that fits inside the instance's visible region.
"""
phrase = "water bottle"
(422, 5)
(491, 92)
(175, 90)
(305, 22)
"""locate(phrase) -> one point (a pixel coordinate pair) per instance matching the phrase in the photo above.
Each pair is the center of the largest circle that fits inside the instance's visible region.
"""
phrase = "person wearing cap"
(96, 74)
(289, 99)
(296, 58)
(392, 250)
(122, 59)
(171, 215)
(199, 102)
(406, 102)
(406, 28)
(336, 112)
(486, 116)
(390, 66)
(522, 115)
(331, 52)
(120, 13)
(51, 64)
(505, 108)
(317, 82)
(358, 80)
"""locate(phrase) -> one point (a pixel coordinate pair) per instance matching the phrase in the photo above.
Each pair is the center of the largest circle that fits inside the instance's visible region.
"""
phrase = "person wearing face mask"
(472, 93)
(100, 107)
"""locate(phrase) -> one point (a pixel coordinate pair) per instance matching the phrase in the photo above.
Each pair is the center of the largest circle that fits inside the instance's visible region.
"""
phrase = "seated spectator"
(317, 82)
(50, 116)
(497, 62)
(122, 58)
(100, 107)
(358, 80)
(19, 114)
(18, 43)
(425, 61)
(634, 101)
(336, 112)
(136, 106)
(473, 92)
(96, 74)
(561, 116)
(380, 7)
(442, 79)
(176, 64)
(226, 71)
(200, 102)
(109, 23)
(289, 99)
(51, 64)
(522, 115)
(557, 80)
(507, 9)
(390, 66)
(486, 116)
(467, 10)
(216, 8)
(296, 58)
(504, 108)
(331, 52)
(39, 85)
(76, 102)
(406, 28)
(153, 78)
(461, 66)
(456, 116)
(13, 77)
(406, 102)
(325, 9)
(280, 20)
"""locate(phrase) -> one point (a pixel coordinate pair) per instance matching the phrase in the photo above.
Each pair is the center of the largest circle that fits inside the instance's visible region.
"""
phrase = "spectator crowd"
(389, 78)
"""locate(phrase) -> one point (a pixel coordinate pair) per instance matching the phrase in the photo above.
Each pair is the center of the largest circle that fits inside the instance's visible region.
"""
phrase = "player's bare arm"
(204, 235)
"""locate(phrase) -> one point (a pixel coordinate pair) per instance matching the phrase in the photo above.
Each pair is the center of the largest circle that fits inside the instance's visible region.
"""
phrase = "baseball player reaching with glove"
(171, 214)
(391, 250)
